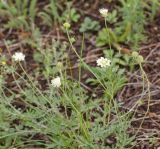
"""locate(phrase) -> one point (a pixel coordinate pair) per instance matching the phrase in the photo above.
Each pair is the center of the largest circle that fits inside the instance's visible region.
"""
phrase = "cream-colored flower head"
(18, 56)
(56, 82)
(103, 12)
(103, 62)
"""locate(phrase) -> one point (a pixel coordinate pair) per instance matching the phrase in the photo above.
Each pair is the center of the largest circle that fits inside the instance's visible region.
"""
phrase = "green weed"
(131, 27)
(89, 25)
(53, 13)
(18, 14)
(39, 111)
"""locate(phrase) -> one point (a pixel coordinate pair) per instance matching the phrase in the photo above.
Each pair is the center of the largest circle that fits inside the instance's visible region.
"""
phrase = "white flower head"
(56, 82)
(103, 62)
(103, 12)
(18, 56)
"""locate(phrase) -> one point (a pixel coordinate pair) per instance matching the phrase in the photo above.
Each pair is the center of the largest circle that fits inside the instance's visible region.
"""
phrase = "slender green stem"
(80, 67)
(108, 33)
(82, 59)
(33, 85)
(145, 77)
(81, 120)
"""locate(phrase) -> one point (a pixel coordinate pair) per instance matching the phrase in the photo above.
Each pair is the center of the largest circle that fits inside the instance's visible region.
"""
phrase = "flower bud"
(72, 39)
(66, 25)
(135, 54)
(140, 59)
(59, 65)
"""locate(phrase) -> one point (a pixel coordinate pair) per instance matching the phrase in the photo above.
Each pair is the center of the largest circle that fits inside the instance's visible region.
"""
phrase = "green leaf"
(106, 36)
(89, 25)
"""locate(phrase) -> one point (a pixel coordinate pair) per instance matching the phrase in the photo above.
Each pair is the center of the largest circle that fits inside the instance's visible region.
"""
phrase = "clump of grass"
(18, 14)
(63, 115)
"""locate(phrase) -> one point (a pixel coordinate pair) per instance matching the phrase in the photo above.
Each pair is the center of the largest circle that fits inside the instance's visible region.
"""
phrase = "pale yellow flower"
(103, 62)
(18, 56)
(103, 12)
(56, 82)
